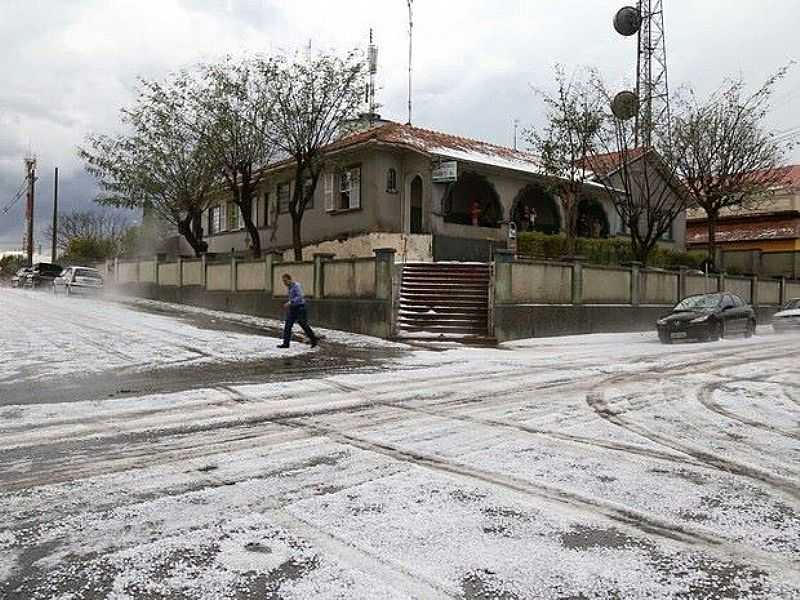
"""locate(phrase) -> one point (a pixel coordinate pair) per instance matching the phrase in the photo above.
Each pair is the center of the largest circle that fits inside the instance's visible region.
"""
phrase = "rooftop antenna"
(372, 60)
(516, 126)
(410, 56)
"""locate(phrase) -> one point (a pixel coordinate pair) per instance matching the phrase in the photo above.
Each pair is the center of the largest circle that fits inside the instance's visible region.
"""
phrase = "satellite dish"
(625, 105)
(627, 21)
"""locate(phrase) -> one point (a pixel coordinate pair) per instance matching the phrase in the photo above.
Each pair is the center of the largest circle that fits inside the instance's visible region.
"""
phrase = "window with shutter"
(267, 210)
(284, 197)
(350, 189)
(330, 202)
(355, 188)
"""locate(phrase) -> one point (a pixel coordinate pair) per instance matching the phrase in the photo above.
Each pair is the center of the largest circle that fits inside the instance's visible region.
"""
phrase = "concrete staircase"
(445, 302)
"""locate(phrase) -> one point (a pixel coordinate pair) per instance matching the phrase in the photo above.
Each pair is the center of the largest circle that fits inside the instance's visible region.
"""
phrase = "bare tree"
(99, 225)
(315, 95)
(159, 164)
(643, 187)
(234, 100)
(722, 150)
(567, 142)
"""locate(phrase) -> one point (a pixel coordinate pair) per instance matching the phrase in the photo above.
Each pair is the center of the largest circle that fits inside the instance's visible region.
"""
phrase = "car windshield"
(87, 273)
(702, 302)
(792, 305)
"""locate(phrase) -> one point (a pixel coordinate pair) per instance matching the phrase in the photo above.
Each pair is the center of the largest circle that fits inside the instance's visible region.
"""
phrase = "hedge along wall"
(533, 282)
(302, 272)
(192, 272)
(251, 276)
(606, 285)
(769, 292)
(147, 271)
(218, 276)
(658, 287)
(739, 286)
(349, 278)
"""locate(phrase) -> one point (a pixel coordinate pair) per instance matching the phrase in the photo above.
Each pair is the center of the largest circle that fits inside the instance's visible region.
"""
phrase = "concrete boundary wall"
(606, 285)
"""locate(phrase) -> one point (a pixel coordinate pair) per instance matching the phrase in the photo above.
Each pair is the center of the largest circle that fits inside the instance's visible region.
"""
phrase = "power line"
(17, 196)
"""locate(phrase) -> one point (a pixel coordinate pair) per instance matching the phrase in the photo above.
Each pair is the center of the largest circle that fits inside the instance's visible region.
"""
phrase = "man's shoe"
(283, 345)
(314, 343)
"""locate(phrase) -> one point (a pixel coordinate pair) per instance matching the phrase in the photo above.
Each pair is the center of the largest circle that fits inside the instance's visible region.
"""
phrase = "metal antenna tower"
(651, 73)
(410, 46)
(372, 64)
(30, 170)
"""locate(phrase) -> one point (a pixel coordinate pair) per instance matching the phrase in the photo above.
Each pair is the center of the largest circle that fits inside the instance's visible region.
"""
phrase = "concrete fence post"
(636, 283)
(755, 301)
(233, 272)
(720, 282)
(755, 262)
(384, 262)
(503, 272)
(783, 295)
(272, 258)
(682, 283)
(319, 272)
(116, 270)
(577, 283)
(204, 271)
(180, 271)
(155, 268)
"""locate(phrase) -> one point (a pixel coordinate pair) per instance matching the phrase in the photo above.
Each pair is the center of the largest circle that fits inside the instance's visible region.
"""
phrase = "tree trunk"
(712, 218)
(244, 193)
(570, 206)
(185, 229)
(297, 242)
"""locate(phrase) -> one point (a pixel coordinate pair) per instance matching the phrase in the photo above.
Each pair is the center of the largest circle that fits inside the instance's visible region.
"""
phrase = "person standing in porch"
(475, 213)
(296, 313)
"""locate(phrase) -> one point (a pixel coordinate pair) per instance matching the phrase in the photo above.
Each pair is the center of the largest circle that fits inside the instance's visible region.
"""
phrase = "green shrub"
(611, 251)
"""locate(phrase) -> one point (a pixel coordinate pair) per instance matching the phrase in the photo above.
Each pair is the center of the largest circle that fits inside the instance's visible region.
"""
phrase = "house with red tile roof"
(429, 194)
(771, 225)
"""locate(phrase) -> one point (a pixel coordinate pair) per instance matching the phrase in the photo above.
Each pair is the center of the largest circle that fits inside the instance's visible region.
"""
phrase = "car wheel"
(664, 338)
(716, 331)
(750, 329)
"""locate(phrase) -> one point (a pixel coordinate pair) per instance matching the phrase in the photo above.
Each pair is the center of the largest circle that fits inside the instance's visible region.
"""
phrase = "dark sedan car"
(42, 275)
(707, 317)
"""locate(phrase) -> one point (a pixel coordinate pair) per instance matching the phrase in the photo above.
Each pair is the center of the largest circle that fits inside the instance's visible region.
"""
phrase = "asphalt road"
(590, 467)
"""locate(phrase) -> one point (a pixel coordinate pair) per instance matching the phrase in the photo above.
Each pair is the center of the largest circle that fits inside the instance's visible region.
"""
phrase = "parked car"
(42, 275)
(74, 280)
(20, 277)
(788, 317)
(707, 317)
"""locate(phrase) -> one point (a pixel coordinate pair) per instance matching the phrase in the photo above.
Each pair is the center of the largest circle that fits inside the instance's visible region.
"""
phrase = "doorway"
(416, 205)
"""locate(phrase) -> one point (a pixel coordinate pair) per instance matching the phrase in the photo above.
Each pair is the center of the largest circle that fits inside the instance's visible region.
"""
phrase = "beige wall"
(541, 283)
(147, 271)
(303, 273)
(127, 272)
(658, 288)
(251, 275)
(193, 272)
(349, 278)
(218, 276)
(606, 286)
(168, 274)
(769, 292)
(792, 290)
(699, 284)
(740, 287)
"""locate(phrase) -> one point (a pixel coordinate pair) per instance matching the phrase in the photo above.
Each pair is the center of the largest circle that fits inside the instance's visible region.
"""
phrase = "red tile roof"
(776, 226)
(442, 144)
(602, 164)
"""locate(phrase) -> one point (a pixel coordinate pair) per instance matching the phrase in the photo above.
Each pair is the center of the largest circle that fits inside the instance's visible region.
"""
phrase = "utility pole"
(30, 167)
(516, 126)
(410, 46)
(55, 217)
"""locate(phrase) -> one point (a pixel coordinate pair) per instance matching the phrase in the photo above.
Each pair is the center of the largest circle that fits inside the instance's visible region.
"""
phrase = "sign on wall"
(445, 172)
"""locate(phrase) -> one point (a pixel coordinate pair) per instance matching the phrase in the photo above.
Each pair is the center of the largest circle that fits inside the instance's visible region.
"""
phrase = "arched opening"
(472, 200)
(416, 205)
(592, 219)
(535, 209)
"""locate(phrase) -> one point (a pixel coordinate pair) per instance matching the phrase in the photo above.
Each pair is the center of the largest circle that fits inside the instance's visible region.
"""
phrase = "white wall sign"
(445, 172)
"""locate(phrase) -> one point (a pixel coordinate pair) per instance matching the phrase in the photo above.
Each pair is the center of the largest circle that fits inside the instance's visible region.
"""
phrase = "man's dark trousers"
(297, 314)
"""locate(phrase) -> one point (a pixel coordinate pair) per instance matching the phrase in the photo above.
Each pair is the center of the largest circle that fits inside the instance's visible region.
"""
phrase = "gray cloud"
(69, 66)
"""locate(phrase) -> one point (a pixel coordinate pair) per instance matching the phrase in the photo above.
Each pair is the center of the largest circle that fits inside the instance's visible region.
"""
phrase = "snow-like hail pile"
(45, 336)
(605, 466)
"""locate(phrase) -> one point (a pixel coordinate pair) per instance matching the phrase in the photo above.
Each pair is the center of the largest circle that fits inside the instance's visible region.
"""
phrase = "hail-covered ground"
(154, 451)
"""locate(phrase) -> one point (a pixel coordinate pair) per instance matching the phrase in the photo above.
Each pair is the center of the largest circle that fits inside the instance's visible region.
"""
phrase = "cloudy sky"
(69, 66)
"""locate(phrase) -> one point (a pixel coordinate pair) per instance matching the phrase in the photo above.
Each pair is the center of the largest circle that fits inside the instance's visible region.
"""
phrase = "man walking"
(295, 312)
